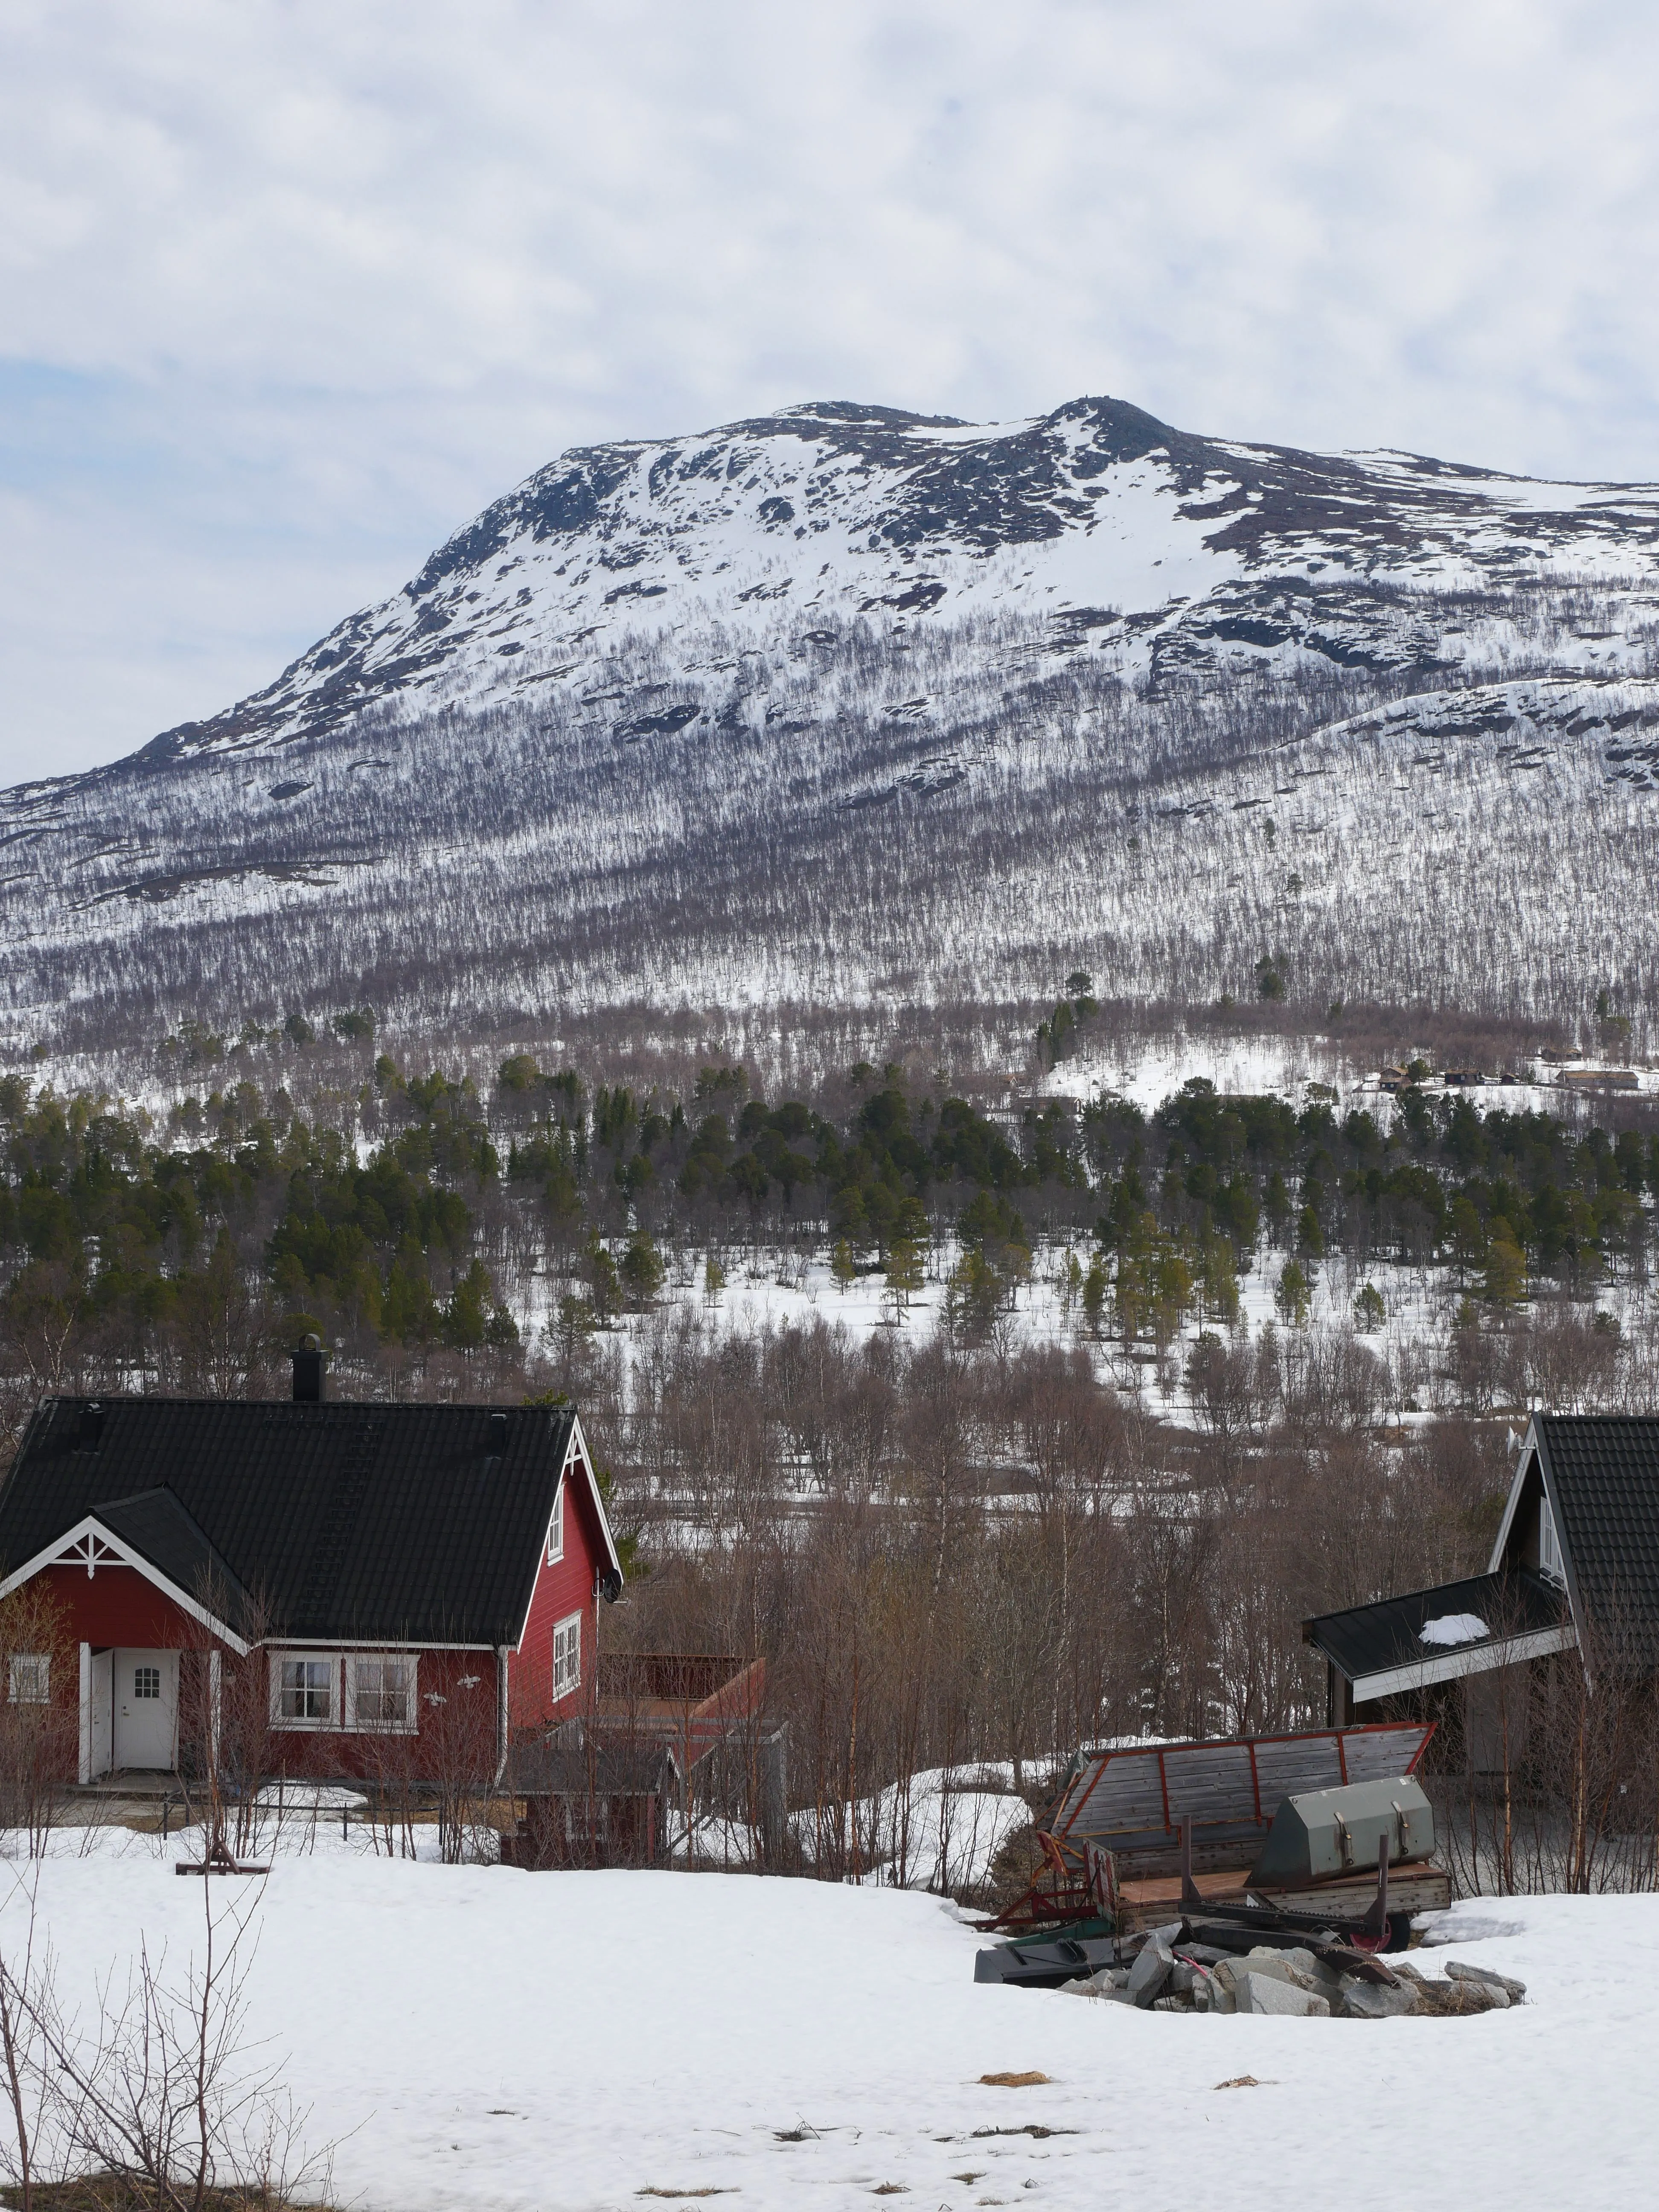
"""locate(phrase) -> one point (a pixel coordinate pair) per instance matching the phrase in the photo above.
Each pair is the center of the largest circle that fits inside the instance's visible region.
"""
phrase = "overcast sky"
(288, 291)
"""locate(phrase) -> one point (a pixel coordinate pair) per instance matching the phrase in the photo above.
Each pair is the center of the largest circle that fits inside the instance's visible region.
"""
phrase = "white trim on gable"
(1530, 1452)
(576, 1454)
(90, 1545)
(579, 1448)
(90, 1551)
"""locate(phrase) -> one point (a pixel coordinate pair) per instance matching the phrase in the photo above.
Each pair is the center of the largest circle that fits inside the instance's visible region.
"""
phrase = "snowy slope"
(829, 511)
(482, 2038)
(845, 706)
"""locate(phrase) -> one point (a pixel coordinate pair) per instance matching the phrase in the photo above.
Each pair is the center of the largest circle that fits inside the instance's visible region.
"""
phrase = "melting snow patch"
(1454, 1628)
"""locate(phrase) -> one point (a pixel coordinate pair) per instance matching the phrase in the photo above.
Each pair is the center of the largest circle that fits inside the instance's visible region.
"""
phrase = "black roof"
(1602, 1473)
(1374, 1639)
(349, 1520)
(567, 1765)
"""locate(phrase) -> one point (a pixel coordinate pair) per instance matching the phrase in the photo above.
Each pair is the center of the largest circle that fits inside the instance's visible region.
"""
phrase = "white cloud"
(309, 283)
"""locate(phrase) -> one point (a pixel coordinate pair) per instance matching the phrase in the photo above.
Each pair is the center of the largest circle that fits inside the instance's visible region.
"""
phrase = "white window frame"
(410, 1725)
(307, 1725)
(556, 1526)
(24, 1668)
(567, 1656)
(1549, 1546)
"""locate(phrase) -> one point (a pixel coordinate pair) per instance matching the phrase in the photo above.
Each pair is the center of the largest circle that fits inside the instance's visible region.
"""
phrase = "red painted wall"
(458, 1735)
(118, 1606)
(563, 1587)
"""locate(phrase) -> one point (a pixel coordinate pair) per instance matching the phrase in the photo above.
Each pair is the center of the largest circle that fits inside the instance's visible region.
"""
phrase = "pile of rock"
(1174, 1972)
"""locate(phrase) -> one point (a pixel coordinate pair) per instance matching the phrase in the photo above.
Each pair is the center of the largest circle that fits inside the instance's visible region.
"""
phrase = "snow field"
(481, 2038)
(941, 1831)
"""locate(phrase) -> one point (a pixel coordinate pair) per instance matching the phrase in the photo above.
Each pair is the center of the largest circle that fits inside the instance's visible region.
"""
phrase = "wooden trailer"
(1140, 1831)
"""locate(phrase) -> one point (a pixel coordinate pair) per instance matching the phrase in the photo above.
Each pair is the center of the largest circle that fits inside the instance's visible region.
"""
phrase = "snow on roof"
(1452, 1628)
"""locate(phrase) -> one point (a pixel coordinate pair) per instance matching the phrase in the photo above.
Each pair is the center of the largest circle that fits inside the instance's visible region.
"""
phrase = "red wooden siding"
(562, 1587)
(458, 1692)
(461, 1735)
(118, 1604)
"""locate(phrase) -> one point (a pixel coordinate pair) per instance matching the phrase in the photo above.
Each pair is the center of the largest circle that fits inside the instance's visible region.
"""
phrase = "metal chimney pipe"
(308, 1373)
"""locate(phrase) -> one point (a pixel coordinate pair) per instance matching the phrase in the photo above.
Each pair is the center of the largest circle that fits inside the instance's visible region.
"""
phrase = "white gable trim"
(1533, 1449)
(576, 1455)
(1529, 1451)
(578, 1450)
(90, 1545)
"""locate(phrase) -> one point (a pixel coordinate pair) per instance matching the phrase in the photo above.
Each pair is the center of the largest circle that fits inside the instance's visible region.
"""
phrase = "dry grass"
(118, 2192)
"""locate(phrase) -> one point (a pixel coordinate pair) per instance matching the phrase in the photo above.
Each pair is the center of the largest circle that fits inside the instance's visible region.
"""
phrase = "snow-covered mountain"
(845, 705)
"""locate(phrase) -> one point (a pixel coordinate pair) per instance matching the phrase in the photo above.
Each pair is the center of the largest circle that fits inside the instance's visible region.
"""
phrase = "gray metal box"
(1327, 1832)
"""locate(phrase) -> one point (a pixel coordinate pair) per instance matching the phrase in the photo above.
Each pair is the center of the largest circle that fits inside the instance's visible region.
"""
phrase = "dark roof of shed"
(544, 1767)
(1373, 1639)
(1604, 1475)
(349, 1520)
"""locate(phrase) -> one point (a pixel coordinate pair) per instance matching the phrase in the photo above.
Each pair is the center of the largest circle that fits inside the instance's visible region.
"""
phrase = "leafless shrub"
(457, 1756)
(159, 2087)
(1548, 1776)
(40, 1690)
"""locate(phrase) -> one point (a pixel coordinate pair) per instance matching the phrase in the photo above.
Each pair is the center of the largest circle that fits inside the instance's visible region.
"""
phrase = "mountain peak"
(853, 699)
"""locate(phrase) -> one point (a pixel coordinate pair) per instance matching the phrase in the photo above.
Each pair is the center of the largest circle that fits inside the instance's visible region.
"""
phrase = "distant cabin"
(1575, 1565)
(370, 1573)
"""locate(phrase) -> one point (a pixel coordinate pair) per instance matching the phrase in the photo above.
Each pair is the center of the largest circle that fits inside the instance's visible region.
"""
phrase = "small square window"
(305, 1691)
(28, 1679)
(146, 1681)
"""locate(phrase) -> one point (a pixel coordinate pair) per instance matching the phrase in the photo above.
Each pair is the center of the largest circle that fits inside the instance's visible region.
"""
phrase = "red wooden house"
(367, 1573)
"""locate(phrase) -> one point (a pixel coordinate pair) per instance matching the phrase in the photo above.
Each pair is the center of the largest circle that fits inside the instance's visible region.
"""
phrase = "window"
(555, 1527)
(1549, 1547)
(304, 1693)
(28, 1681)
(567, 1655)
(146, 1681)
(382, 1692)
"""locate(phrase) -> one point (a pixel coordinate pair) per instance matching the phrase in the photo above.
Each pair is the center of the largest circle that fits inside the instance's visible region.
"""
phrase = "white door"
(146, 1708)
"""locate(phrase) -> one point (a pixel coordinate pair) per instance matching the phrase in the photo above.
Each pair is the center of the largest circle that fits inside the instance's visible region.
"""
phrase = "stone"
(1456, 1971)
(1108, 1982)
(1223, 1993)
(1150, 1972)
(1375, 1999)
(1308, 1971)
(1272, 1964)
(1260, 1992)
(1181, 1978)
